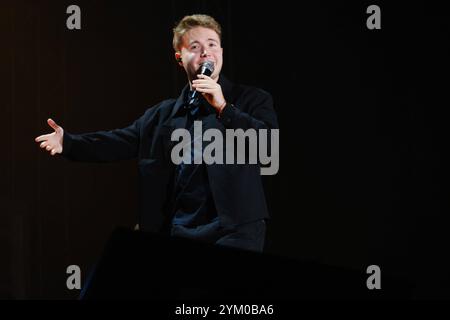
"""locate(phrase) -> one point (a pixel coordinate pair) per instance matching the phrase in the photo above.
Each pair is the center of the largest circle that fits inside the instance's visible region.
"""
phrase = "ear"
(178, 58)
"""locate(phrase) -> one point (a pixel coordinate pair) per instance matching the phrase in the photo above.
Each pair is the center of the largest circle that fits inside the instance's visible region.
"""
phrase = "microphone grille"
(207, 67)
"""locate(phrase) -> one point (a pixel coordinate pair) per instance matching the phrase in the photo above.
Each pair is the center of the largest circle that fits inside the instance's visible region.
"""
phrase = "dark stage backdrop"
(361, 115)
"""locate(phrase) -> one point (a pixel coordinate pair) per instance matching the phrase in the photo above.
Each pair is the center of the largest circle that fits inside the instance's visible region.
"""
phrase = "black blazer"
(236, 188)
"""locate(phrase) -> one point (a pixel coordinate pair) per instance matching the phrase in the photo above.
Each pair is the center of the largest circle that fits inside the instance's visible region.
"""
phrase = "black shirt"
(194, 204)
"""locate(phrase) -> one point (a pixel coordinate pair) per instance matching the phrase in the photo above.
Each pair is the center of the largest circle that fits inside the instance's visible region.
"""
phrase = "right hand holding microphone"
(52, 142)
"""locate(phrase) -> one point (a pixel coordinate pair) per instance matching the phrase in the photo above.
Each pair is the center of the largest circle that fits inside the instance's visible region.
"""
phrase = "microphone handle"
(194, 95)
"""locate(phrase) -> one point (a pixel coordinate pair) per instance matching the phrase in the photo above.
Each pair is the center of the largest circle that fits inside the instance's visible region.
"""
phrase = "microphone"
(206, 68)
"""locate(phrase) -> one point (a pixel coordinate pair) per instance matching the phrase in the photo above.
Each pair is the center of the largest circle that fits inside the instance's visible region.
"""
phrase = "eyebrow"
(209, 39)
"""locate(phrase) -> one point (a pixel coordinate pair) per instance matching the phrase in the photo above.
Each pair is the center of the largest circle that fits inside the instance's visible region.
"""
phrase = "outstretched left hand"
(211, 90)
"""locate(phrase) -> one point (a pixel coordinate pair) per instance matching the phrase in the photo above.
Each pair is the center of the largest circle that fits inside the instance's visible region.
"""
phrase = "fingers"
(47, 141)
(203, 76)
(205, 84)
(53, 124)
(45, 137)
(206, 87)
(51, 149)
(202, 79)
(202, 84)
(42, 138)
(209, 80)
(210, 91)
(46, 145)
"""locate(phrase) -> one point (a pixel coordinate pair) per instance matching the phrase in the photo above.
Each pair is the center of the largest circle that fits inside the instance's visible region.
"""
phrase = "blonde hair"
(190, 22)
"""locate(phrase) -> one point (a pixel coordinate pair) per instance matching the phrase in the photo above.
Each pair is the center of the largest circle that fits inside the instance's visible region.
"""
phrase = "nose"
(204, 53)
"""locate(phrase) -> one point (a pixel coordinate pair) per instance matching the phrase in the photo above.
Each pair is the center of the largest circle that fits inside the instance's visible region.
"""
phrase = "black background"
(362, 129)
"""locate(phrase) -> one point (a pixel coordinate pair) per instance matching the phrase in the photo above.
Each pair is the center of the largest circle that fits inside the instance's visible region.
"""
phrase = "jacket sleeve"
(106, 146)
(260, 115)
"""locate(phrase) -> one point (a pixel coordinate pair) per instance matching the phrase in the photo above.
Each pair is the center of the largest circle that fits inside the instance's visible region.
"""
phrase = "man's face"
(199, 45)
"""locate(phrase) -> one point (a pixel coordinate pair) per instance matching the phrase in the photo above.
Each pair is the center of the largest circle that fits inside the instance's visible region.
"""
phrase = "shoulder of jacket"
(247, 90)
(161, 107)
